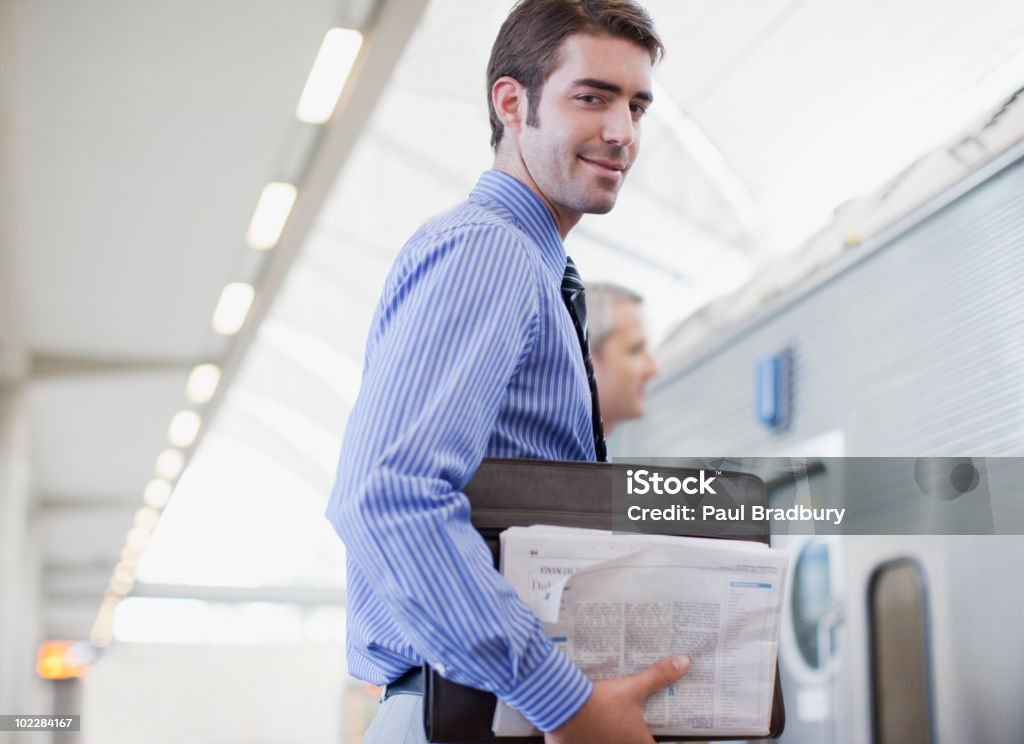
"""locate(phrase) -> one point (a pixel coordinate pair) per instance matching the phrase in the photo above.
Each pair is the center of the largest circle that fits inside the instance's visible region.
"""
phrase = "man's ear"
(510, 103)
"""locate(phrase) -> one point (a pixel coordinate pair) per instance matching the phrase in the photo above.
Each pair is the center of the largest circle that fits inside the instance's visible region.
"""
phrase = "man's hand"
(614, 714)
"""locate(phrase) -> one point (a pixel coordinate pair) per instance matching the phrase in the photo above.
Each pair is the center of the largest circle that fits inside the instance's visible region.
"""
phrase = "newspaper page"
(619, 603)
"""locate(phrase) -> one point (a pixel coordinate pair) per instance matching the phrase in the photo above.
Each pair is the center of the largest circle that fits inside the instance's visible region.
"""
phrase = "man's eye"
(589, 99)
(638, 109)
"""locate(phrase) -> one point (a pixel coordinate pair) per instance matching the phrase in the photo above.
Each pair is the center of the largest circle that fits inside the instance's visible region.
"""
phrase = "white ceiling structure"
(136, 138)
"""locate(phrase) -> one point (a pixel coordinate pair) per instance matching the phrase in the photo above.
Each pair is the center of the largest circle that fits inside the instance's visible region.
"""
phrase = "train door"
(811, 643)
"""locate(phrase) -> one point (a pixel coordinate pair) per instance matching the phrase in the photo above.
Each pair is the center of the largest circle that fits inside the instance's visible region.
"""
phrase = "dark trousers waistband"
(410, 683)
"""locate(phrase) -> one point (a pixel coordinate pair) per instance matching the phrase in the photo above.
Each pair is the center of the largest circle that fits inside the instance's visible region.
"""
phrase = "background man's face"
(623, 365)
(589, 123)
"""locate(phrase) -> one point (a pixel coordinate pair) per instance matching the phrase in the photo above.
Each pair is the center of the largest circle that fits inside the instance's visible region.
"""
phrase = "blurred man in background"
(618, 345)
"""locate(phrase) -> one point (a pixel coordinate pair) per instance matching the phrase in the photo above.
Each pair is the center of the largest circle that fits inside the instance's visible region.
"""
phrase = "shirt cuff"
(552, 693)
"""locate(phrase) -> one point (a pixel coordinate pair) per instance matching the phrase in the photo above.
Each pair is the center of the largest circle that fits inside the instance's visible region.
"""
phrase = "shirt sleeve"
(449, 335)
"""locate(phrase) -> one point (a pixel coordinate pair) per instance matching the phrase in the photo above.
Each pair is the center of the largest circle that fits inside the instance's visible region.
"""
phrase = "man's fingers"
(661, 675)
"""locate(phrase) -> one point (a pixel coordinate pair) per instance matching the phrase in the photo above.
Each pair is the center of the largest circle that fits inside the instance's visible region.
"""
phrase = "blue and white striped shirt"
(471, 353)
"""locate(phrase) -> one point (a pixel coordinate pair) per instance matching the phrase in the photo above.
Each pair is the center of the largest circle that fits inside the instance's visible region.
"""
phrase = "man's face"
(623, 365)
(589, 115)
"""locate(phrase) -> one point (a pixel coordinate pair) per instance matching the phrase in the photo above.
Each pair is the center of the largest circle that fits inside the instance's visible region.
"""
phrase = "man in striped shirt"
(472, 353)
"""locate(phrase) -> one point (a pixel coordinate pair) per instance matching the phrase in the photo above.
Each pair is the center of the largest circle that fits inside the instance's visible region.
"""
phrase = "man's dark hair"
(528, 42)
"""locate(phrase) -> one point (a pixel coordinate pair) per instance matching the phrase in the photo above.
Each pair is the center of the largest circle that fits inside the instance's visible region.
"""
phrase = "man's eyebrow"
(643, 95)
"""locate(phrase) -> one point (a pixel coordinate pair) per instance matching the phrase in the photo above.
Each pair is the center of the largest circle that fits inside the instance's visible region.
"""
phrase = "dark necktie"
(576, 302)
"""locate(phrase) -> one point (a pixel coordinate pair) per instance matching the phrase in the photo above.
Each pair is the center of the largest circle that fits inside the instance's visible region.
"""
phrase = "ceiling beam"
(299, 595)
(79, 584)
(46, 500)
(60, 365)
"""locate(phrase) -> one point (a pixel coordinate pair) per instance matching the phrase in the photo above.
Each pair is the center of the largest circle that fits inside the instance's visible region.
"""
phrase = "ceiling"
(136, 138)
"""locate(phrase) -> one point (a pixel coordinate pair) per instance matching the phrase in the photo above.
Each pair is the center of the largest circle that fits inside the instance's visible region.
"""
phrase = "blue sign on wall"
(772, 395)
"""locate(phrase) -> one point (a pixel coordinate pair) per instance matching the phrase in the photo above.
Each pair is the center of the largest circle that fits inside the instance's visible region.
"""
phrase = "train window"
(901, 702)
(812, 600)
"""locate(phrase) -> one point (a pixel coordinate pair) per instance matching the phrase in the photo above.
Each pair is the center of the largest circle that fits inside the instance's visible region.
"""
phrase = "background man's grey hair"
(600, 298)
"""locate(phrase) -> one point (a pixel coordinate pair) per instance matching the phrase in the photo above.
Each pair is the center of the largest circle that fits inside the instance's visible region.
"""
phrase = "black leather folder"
(510, 493)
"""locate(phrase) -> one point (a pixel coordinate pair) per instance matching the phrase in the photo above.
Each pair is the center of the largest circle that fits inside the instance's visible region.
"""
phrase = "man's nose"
(619, 127)
(650, 366)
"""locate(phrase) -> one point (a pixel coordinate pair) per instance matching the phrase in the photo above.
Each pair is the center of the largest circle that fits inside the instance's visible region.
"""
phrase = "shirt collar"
(527, 211)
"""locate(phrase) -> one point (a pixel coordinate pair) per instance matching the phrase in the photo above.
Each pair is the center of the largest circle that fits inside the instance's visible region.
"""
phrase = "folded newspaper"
(619, 603)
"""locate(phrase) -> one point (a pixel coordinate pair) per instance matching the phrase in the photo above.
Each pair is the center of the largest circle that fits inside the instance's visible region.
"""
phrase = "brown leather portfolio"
(509, 493)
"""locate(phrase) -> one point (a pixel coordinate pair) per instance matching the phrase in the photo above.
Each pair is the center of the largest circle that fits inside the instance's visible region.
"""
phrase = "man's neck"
(565, 220)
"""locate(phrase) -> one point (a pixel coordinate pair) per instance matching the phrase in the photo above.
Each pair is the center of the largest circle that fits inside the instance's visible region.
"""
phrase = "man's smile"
(608, 168)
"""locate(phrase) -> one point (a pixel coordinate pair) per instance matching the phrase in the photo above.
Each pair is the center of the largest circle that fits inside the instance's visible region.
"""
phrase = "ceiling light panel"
(232, 308)
(271, 214)
(169, 464)
(330, 72)
(184, 428)
(202, 383)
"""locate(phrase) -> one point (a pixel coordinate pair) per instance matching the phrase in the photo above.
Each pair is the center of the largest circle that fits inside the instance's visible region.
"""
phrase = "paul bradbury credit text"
(680, 513)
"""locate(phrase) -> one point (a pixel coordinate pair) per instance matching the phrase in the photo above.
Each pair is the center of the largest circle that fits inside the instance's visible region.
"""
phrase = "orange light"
(61, 660)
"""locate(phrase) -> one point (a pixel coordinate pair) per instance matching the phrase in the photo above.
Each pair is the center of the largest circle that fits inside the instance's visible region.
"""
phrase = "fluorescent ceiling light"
(157, 493)
(100, 635)
(120, 586)
(169, 464)
(232, 308)
(146, 518)
(327, 78)
(271, 213)
(109, 605)
(100, 638)
(137, 538)
(124, 572)
(101, 628)
(202, 383)
(184, 427)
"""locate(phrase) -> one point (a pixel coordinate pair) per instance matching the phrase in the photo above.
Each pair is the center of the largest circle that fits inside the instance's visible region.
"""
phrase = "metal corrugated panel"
(913, 349)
